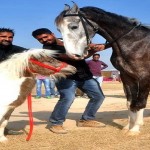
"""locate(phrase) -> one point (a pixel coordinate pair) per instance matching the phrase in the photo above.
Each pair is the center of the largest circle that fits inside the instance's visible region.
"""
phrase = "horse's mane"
(94, 12)
(15, 65)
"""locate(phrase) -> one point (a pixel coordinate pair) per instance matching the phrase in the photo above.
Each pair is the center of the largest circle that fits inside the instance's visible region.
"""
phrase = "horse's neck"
(112, 29)
(111, 26)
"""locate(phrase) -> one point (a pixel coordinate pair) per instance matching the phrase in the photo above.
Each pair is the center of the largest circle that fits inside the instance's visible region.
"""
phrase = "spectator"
(6, 46)
(96, 66)
(53, 89)
(114, 78)
(46, 81)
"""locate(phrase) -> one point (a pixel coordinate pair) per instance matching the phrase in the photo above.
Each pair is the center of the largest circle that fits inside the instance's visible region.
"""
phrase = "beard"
(6, 43)
(50, 42)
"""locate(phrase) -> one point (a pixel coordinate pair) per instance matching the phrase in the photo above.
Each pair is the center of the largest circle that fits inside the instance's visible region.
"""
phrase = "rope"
(63, 64)
(30, 117)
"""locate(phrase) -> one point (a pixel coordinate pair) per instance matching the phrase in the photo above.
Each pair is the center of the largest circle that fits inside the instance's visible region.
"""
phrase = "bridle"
(82, 18)
(58, 69)
(97, 29)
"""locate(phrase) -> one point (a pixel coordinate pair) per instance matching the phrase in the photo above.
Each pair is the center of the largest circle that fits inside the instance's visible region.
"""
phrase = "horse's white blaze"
(74, 41)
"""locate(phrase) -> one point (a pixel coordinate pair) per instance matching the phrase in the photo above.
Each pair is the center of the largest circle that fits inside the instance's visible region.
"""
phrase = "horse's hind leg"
(135, 118)
(130, 90)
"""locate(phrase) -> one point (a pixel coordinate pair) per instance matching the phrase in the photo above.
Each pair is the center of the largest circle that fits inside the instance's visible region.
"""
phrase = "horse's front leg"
(136, 120)
(4, 122)
(5, 115)
(129, 124)
(130, 90)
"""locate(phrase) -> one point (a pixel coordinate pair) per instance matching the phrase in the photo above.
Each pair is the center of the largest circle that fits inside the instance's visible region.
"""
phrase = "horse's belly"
(9, 91)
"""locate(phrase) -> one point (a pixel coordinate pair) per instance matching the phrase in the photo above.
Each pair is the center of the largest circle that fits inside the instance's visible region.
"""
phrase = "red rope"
(63, 64)
(29, 96)
(30, 117)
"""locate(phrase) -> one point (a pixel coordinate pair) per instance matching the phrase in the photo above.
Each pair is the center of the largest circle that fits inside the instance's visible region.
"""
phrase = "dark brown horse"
(130, 41)
(17, 79)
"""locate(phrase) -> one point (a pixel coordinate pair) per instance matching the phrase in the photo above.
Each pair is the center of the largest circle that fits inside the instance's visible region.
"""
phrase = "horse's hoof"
(3, 139)
(133, 133)
(124, 130)
(11, 132)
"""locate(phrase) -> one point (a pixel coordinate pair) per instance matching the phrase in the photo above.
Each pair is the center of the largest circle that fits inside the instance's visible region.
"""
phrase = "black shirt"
(12, 49)
(83, 71)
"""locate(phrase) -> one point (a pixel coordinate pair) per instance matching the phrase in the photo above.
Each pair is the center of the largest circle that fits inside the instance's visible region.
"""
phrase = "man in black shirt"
(6, 46)
(7, 49)
(66, 87)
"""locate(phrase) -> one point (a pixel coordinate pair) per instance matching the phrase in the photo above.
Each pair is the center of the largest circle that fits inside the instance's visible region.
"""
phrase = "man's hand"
(93, 48)
(96, 47)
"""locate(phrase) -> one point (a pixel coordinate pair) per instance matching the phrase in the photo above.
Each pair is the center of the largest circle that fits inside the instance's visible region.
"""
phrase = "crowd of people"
(86, 78)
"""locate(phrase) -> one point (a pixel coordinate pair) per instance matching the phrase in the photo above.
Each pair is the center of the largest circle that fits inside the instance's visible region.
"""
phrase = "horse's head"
(76, 37)
(45, 64)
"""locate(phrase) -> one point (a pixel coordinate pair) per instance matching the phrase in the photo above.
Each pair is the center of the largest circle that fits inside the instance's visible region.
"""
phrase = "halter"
(97, 29)
(82, 18)
(48, 66)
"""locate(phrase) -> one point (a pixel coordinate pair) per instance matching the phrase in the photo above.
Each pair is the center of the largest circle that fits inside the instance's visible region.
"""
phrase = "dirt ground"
(113, 113)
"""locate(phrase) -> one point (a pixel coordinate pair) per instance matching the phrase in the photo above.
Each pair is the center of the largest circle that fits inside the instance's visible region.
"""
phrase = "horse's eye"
(73, 26)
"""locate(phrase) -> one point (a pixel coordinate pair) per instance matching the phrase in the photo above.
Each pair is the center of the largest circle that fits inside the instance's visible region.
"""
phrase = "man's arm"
(103, 65)
(93, 48)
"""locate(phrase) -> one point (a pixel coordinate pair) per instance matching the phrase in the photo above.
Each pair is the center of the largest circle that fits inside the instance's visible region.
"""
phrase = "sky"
(24, 16)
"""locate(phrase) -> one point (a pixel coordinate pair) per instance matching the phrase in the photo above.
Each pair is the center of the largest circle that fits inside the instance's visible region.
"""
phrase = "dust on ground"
(113, 113)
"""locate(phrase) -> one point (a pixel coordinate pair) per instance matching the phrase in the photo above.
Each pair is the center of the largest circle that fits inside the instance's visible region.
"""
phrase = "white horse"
(129, 40)
(17, 79)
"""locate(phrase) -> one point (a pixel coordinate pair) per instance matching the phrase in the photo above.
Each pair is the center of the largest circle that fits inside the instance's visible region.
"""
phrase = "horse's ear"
(67, 7)
(75, 8)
